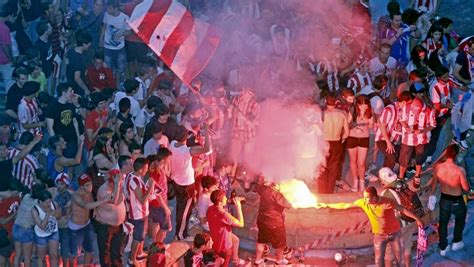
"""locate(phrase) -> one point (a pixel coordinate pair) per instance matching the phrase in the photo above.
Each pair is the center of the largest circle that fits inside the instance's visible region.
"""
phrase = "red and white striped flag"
(184, 43)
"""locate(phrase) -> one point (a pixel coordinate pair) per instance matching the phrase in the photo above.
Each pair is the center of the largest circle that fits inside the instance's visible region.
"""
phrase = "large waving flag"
(184, 43)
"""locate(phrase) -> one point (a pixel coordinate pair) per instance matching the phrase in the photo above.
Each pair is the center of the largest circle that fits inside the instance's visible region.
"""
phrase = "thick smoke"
(289, 142)
(273, 46)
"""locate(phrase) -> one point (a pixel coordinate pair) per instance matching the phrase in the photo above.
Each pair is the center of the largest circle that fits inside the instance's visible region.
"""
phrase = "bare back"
(452, 178)
(80, 215)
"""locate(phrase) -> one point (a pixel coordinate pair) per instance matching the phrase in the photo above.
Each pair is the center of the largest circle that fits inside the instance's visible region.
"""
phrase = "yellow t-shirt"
(41, 79)
(381, 215)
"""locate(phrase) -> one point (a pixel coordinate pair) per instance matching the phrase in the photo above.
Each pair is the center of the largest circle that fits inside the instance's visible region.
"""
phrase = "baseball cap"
(62, 178)
(387, 176)
(84, 179)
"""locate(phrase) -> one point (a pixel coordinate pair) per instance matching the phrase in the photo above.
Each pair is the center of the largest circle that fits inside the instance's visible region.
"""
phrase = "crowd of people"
(99, 134)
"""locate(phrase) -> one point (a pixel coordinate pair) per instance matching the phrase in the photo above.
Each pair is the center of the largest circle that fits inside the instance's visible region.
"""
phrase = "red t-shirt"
(7, 207)
(101, 78)
(92, 122)
(220, 228)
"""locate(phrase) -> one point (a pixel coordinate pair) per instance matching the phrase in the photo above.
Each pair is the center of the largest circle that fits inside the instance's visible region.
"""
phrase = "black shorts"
(353, 142)
(407, 151)
(273, 235)
(136, 51)
(6, 251)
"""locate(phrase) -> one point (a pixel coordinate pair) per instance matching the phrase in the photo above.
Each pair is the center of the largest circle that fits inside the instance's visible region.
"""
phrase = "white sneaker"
(444, 251)
(429, 159)
(463, 144)
(457, 246)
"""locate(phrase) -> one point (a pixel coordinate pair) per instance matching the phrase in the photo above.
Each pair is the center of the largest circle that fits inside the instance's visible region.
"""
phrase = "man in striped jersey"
(137, 195)
(361, 76)
(417, 121)
(24, 169)
(28, 110)
(389, 133)
(6, 163)
(440, 96)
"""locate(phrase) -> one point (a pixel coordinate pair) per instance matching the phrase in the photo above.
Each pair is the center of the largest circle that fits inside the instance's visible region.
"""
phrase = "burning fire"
(298, 194)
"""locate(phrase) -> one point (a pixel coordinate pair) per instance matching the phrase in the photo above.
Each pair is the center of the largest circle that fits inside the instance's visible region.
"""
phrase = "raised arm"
(27, 149)
(197, 150)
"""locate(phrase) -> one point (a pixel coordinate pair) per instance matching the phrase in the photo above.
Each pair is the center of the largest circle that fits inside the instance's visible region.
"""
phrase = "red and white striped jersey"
(28, 112)
(359, 81)
(391, 118)
(135, 209)
(430, 5)
(431, 45)
(329, 71)
(24, 170)
(426, 118)
(440, 92)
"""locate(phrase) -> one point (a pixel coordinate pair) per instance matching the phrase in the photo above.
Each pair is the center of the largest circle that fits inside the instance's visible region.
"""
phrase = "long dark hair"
(415, 56)
(123, 131)
(361, 100)
(101, 146)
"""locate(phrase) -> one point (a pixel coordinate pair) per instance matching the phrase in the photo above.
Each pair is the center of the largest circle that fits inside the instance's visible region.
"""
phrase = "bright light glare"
(298, 194)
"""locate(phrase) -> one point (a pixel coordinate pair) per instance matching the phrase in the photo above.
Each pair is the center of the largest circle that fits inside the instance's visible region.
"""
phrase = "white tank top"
(182, 171)
(52, 225)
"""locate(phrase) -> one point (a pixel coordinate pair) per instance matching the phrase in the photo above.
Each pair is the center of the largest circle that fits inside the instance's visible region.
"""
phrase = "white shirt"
(114, 25)
(134, 105)
(182, 171)
(152, 146)
(378, 68)
(143, 118)
(142, 89)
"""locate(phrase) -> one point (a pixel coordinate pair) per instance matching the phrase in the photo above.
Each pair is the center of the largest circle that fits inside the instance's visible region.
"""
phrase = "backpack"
(406, 198)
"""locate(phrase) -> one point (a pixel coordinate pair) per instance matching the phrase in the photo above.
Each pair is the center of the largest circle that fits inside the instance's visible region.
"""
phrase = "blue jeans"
(447, 207)
(117, 61)
(380, 245)
(84, 237)
(64, 241)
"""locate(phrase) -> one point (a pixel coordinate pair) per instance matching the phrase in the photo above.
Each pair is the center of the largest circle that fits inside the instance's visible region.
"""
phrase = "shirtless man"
(452, 179)
(80, 228)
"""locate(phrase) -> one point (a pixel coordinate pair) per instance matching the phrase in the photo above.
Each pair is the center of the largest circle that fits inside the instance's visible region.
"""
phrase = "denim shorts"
(139, 230)
(84, 236)
(43, 241)
(158, 215)
(22, 234)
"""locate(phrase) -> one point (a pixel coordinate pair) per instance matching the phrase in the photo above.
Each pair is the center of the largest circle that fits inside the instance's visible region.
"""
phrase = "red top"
(92, 122)
(220, 228)
(101, 78)
(7, 207)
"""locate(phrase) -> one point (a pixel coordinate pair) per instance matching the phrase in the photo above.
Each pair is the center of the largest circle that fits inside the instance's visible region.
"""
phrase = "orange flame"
(298, 194)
